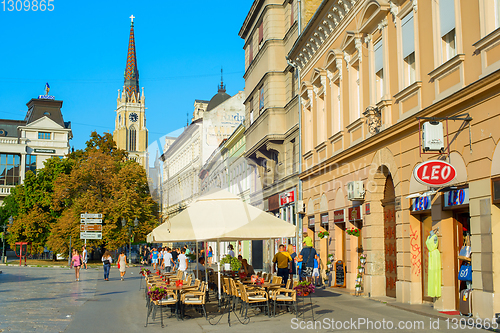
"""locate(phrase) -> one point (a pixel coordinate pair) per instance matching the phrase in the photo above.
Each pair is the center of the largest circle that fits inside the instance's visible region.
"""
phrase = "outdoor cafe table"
(177, 289)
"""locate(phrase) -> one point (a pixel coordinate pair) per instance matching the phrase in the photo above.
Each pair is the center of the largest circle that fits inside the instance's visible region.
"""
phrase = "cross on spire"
(222, 87)
(132, 17)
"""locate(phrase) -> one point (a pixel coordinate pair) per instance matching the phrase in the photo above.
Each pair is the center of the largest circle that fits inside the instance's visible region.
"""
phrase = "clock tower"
(130, 132)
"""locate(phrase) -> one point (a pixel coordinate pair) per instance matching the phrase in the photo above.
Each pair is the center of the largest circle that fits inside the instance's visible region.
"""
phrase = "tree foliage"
(98, 179)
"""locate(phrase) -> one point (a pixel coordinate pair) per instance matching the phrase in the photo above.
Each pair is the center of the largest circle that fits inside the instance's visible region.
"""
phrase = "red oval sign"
(434, 173)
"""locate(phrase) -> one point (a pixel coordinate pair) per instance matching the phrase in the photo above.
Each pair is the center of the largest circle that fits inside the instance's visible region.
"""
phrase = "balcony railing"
(5, 190)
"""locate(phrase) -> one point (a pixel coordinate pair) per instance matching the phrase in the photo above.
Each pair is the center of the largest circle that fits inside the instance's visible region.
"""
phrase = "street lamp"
(124, 223)
(11, 220)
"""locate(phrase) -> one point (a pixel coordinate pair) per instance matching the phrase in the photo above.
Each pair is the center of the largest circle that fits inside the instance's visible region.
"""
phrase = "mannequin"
(434, 272)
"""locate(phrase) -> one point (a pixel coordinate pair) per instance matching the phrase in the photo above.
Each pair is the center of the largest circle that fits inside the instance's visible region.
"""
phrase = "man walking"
(167, 260)
(84, 256)
(307, 256)
(282, 258)
(183, 262)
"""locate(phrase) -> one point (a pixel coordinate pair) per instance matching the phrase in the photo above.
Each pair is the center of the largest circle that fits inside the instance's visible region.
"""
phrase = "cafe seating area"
(185, 297)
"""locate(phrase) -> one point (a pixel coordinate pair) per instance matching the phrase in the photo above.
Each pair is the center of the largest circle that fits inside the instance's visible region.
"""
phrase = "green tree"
(31, 204)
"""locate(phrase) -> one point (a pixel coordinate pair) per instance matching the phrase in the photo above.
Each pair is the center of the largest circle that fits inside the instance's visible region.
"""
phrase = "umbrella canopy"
(223, 216)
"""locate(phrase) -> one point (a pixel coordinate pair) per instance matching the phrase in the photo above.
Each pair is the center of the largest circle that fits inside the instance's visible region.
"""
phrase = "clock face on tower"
(133, 117)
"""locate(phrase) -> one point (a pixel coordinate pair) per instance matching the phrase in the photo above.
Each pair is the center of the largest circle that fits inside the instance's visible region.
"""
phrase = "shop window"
(311, 223)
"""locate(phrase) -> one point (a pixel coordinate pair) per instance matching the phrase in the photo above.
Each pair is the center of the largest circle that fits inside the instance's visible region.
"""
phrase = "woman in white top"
(122, 263)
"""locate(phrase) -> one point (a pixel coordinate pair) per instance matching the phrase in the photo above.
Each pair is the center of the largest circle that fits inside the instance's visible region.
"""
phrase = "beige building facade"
(370, 73)
(271, 108)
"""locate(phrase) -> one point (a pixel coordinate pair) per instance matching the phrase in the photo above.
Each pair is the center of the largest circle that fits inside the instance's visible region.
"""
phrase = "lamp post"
(124, 223)
(11, 220)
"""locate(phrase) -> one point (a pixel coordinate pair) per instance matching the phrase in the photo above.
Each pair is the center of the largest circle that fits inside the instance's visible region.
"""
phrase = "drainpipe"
(299, 190)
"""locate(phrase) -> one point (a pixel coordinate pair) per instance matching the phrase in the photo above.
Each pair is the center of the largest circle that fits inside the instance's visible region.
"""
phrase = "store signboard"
(354, 213)
(287, 197)
(339, 216)
(324, 219)
(456, 198)
(367, 208)
(421, 204)
(311, 220)
(273, 202)
(434, 173)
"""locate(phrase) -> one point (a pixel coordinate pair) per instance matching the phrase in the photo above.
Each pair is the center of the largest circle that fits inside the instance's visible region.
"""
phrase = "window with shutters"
(447, 29)
(408, 38)
(379, 69)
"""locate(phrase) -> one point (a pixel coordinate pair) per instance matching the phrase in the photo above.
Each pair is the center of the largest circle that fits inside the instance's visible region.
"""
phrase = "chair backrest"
(288, 284)
(179, 274)
(279, 279)
(234, 290)
(259, 274)
(226, 286)
(275, 279)
(243, 291)
(189, 279)
(197, 283)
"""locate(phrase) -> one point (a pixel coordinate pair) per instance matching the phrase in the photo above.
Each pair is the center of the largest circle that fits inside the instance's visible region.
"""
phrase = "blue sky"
(80, 49)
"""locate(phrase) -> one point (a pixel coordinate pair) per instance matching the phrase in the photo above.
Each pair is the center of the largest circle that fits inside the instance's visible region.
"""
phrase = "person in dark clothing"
(307, 256)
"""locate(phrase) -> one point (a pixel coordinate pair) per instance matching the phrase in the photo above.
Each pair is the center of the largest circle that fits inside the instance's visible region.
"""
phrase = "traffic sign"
(90, 235)
(434, 173)
(91, 221)
(90, 227)
(91, 216)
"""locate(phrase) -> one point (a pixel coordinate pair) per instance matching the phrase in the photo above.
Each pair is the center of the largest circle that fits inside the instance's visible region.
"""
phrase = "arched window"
(132, 139)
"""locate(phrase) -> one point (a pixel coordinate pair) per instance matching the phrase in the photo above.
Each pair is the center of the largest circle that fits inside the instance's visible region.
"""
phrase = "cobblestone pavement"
(42, 299)
(49, 300)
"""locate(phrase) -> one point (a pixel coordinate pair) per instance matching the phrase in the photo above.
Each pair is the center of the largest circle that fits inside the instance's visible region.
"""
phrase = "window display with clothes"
(434, 271)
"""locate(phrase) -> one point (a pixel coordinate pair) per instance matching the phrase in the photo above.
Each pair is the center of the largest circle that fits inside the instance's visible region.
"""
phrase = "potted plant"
(157, 293)
(323, 234)
(359, 278)
(329, 265)
(304, 288)
(358, 287)
(353, 232)
(231, 263)
(362, 259)
(145, 272)
(360, 269)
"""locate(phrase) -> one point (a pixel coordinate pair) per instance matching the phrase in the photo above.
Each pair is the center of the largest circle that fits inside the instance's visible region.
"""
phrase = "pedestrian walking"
(122, 264)
(154, 257)
(106, 262)
(84, 256)
(183, 262)
(76, 263)
(281, 259)
(167, 260)
(307, 256)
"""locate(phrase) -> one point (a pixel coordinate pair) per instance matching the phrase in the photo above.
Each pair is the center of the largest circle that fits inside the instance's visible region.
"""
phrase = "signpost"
(90, 226)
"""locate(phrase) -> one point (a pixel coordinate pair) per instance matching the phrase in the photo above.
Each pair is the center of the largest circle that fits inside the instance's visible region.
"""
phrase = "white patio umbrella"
(221, 216)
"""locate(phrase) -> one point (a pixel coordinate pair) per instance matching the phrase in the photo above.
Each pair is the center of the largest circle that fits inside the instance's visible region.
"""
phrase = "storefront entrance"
(426, 229)
(391, 267)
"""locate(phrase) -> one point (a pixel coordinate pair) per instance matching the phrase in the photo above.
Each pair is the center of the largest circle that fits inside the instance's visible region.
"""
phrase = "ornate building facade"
(372, 72)
(130, 132)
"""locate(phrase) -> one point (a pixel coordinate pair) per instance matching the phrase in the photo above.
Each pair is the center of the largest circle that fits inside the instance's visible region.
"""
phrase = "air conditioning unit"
(355, 190)
(432, 136)
(301, 207)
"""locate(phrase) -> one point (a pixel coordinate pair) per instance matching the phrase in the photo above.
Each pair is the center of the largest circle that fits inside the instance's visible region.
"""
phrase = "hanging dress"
(434, 271)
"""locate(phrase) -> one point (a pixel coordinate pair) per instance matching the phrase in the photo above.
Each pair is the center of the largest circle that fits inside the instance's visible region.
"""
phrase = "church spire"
(131, 72)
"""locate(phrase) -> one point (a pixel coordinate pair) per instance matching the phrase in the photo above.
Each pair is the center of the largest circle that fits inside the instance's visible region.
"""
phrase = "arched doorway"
(390, 251)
